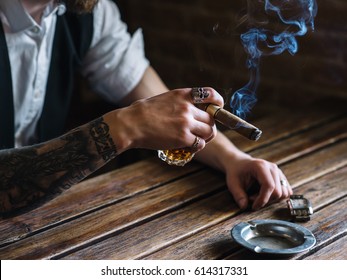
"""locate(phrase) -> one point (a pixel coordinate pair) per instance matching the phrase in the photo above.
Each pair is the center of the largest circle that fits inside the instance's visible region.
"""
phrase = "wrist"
(120, 130)
(232, 157)
(221, 153)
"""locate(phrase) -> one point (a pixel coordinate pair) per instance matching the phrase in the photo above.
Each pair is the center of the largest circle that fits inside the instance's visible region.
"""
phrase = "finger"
(277, 191)
(203, 130)
(267, 185)
(239, 194)
(206, 118)
(286, 187)
(198, 144)
(290, 189)
(285, 191)
(190, 140)
(203, 116)
(289, 186)
(213, 135)
(206, 95)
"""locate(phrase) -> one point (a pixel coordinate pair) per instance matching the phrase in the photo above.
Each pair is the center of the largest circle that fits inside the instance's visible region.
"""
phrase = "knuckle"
(183, 134)
(185, 109)
(217, 96)
(274, 166)
(277, 193)
(184, 123)
(272, 188)
(269, 187)
(260, 163)
(264, 164)
(179, 92)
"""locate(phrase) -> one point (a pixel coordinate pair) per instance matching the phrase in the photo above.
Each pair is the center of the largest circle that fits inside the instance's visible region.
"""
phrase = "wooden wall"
(197, 42)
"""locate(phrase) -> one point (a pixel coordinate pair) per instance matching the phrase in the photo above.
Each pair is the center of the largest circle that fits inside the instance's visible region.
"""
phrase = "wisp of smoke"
(274, 27)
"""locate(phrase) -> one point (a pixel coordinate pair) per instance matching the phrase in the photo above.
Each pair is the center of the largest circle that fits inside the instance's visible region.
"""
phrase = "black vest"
(72, 39)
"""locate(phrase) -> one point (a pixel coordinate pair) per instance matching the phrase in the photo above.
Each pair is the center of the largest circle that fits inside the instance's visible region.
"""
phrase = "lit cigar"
(232, 121)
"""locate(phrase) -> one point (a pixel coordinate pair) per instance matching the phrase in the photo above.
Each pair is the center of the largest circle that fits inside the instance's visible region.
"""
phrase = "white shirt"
(114, 64)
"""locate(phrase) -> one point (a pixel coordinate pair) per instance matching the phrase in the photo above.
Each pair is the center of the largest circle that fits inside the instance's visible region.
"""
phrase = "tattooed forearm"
(38, 173)
(99, 131)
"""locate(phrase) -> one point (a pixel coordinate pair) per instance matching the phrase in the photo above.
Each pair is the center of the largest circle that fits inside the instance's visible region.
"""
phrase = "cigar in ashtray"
(232, 121)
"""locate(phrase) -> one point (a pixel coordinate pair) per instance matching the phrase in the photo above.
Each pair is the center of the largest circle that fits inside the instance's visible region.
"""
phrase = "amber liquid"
(178, 157)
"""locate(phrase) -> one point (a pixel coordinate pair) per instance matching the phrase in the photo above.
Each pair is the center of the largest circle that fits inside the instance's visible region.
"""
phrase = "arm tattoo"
(38, 173)
(103, 142)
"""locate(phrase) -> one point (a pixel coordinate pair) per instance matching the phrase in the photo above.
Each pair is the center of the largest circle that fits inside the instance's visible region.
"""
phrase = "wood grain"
(92, 194)
(215, 242)
(334, 251)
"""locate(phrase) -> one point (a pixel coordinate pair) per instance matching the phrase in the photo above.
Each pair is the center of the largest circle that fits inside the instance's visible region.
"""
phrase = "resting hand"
(244, 171)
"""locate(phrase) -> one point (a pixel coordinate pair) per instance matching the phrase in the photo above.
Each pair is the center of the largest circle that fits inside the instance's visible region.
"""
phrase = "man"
(41, 47)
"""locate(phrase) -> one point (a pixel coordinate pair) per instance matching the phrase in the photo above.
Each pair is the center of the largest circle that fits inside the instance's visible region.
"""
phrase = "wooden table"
(149, 210)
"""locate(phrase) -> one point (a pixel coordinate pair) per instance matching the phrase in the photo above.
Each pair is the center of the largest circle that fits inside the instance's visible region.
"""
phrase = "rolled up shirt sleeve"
(115, 62)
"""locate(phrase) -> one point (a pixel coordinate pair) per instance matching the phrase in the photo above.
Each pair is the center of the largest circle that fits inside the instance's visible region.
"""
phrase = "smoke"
(274, 26)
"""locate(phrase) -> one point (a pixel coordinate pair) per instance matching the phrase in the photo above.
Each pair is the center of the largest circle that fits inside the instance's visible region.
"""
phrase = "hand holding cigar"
(182, 156)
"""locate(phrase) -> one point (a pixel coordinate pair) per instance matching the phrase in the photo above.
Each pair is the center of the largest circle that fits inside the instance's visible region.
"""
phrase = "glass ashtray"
(273, 237)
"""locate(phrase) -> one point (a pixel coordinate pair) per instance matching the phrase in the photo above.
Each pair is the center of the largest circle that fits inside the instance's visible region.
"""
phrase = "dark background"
(197, 42)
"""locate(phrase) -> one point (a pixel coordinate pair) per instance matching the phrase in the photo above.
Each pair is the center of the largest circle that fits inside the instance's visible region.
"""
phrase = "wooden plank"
(100, 223)
(163, 231)
(189, 220)
(329, 223)
(309, 140)
(215, 242)
(334, 251)
(91, 194)
(126, 213)
(322, 162)
(131, 180)
(284, 122)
